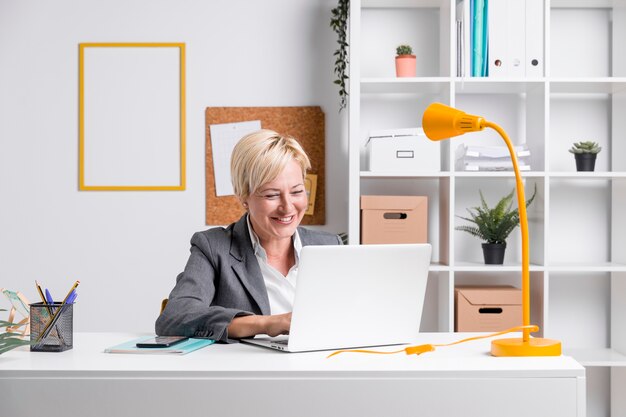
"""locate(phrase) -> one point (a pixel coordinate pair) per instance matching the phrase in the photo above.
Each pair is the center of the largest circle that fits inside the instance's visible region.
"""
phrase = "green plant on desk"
(10, 340)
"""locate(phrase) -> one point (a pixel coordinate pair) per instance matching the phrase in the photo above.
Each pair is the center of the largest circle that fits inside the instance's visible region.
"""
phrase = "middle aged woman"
(240, 280)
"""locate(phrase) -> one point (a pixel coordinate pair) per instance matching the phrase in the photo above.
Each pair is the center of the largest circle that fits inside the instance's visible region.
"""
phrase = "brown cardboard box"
(487, 309)
(394, 219)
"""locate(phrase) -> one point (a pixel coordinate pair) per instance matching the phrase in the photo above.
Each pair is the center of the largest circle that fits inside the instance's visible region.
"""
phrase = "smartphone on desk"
(161, 341)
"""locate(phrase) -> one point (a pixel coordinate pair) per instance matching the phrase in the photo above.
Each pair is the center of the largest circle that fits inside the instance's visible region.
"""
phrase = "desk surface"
(241, 379)
(471, 359)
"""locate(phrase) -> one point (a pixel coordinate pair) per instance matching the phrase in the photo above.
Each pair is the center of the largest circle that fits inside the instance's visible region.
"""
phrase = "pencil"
(48, 307)
(42, 297)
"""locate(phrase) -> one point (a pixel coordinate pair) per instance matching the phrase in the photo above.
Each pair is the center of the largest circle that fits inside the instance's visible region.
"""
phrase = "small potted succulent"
(585, 154)
(405, 61)
(493, 225)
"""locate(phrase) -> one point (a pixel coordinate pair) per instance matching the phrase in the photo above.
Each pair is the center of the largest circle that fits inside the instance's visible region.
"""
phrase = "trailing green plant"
(10, 340)
(404, 50)
(339, 24)
(493, 225)
(585, 147)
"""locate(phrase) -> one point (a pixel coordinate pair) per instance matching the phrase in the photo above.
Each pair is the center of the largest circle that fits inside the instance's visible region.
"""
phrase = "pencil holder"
(51, 327)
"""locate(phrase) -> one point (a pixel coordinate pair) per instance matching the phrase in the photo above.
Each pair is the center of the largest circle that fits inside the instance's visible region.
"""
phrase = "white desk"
(243, 380)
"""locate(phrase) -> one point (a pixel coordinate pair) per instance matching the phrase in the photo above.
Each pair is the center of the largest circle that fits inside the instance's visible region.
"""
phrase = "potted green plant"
(493, 225)
(585, 154)
(405, 61)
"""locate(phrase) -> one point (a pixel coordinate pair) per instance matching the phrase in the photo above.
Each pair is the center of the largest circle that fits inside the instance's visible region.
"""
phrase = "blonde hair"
(260, 157)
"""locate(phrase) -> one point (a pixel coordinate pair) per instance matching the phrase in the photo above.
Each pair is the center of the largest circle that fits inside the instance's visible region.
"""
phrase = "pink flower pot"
(405, 66)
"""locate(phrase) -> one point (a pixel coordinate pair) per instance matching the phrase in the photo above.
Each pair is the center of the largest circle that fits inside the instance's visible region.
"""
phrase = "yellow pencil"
(70, 292)
(42, 297)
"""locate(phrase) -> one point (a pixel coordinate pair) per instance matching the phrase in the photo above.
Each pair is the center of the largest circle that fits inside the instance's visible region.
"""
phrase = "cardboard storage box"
(394, 219)
(487, 309)
(404, 150)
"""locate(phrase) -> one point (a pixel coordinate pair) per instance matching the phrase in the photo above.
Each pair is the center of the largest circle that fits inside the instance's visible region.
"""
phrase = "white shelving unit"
(577, 225)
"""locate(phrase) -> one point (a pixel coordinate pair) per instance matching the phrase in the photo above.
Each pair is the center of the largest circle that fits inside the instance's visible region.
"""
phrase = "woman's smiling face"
(277, 207)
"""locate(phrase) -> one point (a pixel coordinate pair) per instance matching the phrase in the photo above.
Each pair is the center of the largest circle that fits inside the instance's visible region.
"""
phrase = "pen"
(72, 297)
(49, 298)
(57, 314)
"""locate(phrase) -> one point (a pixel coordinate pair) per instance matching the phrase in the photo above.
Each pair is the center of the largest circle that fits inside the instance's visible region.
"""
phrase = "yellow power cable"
(419, 349)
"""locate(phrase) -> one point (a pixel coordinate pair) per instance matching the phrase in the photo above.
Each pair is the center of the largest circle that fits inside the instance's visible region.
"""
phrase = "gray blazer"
(222, 280)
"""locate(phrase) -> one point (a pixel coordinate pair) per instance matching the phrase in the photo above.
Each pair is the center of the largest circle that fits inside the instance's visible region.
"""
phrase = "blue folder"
(181, 348)
(478, 17)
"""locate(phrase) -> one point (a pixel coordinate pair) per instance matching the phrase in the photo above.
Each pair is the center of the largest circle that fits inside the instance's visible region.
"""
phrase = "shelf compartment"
(396, 111)
(420, 27)
(499, 277)
(521, 115)
(579, 314)
(468, 249)
(437, 190)
(580, 42)
(579, 210)
(579, 117)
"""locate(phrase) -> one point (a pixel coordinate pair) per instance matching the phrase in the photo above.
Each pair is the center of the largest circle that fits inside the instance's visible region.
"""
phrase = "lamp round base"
(532, 347)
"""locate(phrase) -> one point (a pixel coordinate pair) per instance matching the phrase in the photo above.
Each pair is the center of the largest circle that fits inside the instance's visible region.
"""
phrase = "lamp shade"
(441, 122)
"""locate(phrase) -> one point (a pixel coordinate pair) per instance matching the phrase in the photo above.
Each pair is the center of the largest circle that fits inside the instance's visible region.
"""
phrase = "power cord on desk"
(419, 349)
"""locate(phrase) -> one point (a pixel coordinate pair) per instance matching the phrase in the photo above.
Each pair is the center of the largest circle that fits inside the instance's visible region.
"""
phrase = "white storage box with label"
(405, 150)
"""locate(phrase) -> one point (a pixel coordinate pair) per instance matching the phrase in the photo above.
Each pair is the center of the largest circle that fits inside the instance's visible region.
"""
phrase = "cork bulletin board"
(306, 124)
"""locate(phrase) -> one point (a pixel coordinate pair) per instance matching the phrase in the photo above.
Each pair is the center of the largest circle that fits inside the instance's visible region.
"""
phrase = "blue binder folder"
(478, 17)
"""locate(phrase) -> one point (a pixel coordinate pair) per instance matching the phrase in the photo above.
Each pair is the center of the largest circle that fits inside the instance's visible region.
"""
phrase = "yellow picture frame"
(101, 171)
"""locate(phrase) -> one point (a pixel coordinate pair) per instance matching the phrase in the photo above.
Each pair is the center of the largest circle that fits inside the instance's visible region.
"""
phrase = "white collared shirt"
(280, 289)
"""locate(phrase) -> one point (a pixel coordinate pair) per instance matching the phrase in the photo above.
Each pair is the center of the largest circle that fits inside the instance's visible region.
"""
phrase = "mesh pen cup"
(51, 327)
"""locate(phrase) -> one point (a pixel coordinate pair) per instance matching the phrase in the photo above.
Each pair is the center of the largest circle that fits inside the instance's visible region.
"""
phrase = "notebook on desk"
(355, 296)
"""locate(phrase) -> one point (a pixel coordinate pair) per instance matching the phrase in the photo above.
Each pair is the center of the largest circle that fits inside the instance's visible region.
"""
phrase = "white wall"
(126, 248)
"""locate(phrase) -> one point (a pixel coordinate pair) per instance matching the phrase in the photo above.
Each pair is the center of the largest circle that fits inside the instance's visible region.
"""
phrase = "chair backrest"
(163, 304)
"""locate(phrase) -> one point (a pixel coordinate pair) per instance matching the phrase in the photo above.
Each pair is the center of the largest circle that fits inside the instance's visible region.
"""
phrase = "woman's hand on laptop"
(247, 326)
(278, 324)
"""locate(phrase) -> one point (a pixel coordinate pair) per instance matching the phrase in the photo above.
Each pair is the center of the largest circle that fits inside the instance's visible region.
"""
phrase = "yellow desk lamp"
(443, 122)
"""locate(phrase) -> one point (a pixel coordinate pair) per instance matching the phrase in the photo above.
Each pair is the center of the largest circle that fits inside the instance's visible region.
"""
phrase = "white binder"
(534, 38)
(497, 39)
(464, 46)
(507, 38)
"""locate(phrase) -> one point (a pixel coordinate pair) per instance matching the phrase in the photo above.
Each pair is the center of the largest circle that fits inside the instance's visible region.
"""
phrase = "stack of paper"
(491, 158)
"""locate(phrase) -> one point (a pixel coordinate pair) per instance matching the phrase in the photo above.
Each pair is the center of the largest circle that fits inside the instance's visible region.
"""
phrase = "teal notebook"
(181, 348)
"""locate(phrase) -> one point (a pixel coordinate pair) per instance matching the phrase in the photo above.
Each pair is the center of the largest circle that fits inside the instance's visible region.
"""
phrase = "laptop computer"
(355, 296)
